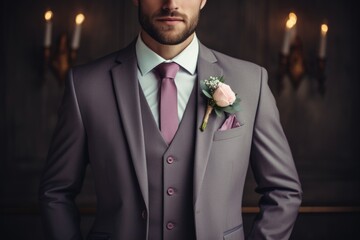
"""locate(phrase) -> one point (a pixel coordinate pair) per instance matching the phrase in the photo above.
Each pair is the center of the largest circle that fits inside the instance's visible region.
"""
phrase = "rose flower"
(223, 95)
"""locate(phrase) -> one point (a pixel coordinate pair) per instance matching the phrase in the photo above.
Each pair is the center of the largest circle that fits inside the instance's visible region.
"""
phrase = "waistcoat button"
(170, 160)
(170, 225)
(170, 191)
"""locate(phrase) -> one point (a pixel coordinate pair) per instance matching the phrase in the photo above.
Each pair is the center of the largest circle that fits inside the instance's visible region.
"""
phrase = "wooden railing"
(249, 210)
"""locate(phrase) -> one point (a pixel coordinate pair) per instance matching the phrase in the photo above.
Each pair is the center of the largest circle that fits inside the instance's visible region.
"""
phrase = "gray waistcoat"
(170, 175)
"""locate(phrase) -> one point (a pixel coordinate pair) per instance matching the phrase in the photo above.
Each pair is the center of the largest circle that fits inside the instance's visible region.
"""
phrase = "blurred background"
(313, 73)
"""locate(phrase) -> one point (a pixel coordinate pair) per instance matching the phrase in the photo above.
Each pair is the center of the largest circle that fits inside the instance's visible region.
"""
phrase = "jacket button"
(170, 226)
(170, 191)
(170, 160)
(143, 214)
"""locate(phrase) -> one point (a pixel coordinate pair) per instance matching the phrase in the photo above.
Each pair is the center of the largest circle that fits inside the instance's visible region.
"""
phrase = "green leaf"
(203, 85)
(237, 108)
(207, 94)
(237, 101)
(230, 110)
(218, 112)
(221, 79)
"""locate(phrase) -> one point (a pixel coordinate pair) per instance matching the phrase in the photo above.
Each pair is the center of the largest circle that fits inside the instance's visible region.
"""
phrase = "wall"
(322, 130)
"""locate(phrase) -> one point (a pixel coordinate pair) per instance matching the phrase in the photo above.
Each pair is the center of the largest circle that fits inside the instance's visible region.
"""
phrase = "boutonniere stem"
(209, 110)
(221, 98)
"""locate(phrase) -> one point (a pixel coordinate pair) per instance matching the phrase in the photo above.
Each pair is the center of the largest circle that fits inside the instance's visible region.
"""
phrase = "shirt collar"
(148, 59)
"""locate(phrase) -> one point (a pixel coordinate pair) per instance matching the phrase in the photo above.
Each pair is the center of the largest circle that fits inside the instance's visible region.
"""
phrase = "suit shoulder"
(236, 63)
(249, 72)
(95, 66)
(102, 65)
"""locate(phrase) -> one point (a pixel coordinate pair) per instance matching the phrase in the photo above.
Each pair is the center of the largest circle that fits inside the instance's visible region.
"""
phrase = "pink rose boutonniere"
(220, 98)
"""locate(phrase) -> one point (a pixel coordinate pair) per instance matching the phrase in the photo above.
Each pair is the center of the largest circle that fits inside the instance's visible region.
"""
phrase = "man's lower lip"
(170, 22)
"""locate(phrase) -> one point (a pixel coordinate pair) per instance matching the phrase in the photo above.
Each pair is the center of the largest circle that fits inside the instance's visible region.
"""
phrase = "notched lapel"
(126, 87)
(206, 67)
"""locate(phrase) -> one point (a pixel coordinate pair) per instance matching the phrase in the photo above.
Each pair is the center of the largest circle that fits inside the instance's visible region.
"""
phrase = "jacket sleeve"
(274, 171)
(64, 171)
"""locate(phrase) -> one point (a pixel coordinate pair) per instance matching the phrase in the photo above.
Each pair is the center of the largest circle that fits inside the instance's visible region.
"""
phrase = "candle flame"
(293, 16)
(79, 18)
(324, 29)
(291, 21)
(48, 15)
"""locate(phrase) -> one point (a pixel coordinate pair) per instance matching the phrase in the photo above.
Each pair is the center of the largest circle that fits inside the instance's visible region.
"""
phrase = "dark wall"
(322, 130)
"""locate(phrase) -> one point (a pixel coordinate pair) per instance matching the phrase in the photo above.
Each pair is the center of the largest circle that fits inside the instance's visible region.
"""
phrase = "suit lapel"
(126, 86)
(206, 67)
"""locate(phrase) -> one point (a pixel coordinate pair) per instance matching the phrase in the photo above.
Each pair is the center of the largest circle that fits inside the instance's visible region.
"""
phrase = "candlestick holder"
(293, 65)
(321, 77)
(60, 58)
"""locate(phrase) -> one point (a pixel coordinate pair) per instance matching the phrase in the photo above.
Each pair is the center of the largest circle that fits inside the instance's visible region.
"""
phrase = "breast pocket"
(231, 145)
(235, 233)
(228, 134)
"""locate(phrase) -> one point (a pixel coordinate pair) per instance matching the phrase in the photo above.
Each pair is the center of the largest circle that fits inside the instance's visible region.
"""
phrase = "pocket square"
(230, 122)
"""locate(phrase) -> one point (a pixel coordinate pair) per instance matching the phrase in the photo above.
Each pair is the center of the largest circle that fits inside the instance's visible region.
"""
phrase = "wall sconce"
(292, 61)
(60, 58)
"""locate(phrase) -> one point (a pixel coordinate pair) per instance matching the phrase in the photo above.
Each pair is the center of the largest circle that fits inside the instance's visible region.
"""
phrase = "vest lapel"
(126, 88)
(206, 68)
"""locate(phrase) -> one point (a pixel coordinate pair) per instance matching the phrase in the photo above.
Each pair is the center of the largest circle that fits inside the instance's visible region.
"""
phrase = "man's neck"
(165, 51)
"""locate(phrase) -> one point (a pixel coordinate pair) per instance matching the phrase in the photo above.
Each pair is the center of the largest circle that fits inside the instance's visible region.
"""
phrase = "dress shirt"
(185, 79)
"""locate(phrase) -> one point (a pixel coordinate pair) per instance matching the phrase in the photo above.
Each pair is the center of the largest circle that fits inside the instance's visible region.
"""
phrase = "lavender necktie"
(169, 119)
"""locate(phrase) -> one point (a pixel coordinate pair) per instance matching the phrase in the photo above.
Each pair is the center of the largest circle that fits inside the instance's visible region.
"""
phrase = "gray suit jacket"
(100, 123)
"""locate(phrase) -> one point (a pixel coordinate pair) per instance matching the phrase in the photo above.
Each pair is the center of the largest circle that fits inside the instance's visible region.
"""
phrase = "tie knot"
(167, 70)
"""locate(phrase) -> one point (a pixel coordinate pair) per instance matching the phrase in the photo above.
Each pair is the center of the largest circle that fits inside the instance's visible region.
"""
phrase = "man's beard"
(159, 33)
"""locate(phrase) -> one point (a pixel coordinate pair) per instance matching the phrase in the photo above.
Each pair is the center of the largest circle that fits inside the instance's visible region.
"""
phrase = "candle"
(322, 47)
(48, 29)
(76, 36)
(289, 33)
(293, 19)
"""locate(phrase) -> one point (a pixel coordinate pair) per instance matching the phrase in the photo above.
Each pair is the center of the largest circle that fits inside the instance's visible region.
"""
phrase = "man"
(152, 184)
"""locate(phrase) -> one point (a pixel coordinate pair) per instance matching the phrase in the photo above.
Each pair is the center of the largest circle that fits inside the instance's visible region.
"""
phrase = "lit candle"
(293, 20)
(289, 33)
(48, 29)
(322, 47)
(76, 37)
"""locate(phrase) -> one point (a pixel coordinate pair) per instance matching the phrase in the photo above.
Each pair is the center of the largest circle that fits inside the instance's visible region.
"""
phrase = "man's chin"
(170, 41)
(167, 34)
(171, 38)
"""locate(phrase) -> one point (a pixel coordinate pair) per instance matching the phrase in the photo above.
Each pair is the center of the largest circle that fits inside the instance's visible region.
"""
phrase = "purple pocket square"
(230, 122)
